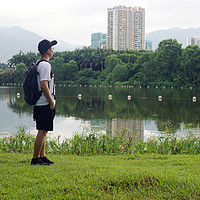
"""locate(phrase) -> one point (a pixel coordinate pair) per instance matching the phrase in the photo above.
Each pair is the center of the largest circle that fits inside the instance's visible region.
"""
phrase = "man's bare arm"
(45, 90)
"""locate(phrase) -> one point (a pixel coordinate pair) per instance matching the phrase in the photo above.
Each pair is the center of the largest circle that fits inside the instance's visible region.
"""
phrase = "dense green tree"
(167, 55)
(59, 68)
(130, 57)
(71, 69)
(143, 70)
(110, 62)
(18, 74)
(7, 76)
(84, 76)
(27, 59)
(120, 73)
(190, 66)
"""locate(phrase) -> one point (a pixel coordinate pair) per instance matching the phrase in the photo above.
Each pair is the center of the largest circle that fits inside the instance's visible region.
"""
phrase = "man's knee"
(43, 132)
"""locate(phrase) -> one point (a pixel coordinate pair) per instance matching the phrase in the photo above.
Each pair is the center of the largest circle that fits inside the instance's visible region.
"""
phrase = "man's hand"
(52, 105)
(46, 92)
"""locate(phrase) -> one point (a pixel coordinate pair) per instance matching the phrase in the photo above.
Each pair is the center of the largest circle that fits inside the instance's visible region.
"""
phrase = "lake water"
(146, 112)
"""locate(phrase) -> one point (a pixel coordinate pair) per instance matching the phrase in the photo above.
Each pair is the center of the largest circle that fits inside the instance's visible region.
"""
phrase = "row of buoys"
(194, 99)
(11, 84)
(109, 97)
(123, 86)
(129, 97)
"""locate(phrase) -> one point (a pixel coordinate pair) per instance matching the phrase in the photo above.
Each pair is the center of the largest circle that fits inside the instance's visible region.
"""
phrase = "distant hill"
(174, 33)
(16, 39)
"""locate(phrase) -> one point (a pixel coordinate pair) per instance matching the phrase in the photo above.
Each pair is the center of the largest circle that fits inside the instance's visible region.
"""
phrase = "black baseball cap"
(44, 45)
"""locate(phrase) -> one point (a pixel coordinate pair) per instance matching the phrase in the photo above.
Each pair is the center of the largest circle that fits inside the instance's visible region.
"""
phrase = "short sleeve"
(44, 70)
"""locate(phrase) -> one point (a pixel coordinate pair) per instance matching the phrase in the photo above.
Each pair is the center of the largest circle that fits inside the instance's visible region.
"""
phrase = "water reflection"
(94, 109)
(134, 128)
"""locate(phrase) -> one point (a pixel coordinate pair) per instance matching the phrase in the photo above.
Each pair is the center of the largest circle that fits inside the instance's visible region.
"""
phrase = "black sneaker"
(38, 161)
(46, 160)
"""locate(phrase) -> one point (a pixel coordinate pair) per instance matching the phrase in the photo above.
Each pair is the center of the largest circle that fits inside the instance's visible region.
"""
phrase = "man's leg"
(42, 151)
(39, 145)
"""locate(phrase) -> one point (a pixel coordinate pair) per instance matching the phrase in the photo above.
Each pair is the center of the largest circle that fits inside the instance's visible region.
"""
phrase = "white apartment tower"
(193, 40)
(126, 28)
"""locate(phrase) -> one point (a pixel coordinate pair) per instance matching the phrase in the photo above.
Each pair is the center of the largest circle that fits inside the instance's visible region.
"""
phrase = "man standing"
(44, 109)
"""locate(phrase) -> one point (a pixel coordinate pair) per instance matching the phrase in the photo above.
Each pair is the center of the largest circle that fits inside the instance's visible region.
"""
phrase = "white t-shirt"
(45, 74)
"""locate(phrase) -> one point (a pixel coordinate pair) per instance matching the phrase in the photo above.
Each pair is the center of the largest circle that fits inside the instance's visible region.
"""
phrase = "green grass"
(92, 165)
(138, 176)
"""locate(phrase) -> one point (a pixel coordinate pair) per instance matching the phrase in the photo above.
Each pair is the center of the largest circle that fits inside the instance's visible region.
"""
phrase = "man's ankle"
(35, 158)
(42, 156)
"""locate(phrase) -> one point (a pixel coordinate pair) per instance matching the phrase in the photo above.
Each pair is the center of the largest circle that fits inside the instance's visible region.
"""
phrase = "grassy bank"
(101, 177)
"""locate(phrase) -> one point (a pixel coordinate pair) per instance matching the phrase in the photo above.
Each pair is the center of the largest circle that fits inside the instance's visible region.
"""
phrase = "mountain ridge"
(15, 39)
(177, 33)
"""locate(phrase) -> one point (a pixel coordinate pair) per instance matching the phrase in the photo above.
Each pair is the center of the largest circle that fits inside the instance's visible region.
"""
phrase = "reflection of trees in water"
(14, 98)
(20, 107)
(176, 107)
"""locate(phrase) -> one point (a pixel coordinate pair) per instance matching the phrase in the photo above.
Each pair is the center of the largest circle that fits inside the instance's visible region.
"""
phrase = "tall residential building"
(97, 39)
(193, 40)
(126, 28)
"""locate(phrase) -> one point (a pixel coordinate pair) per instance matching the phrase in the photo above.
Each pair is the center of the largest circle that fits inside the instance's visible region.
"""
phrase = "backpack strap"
(37, 63)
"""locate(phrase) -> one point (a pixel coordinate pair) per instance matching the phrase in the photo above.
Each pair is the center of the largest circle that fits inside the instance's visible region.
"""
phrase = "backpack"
(30, 84)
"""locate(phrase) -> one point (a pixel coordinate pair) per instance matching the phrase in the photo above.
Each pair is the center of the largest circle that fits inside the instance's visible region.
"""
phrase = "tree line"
(169, 65)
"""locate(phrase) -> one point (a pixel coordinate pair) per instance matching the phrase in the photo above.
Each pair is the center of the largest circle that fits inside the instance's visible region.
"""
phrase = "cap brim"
(54, 42)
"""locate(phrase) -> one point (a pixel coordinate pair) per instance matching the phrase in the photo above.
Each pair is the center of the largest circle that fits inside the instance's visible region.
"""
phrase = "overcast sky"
(75, 20)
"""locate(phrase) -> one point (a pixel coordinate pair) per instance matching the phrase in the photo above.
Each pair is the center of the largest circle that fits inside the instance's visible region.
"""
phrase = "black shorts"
(43, 116)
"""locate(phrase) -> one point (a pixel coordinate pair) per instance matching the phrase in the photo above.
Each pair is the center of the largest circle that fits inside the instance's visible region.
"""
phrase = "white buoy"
(110, 97)
(129, 97)
(194, 99)
(79, 96)
(159, 98)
